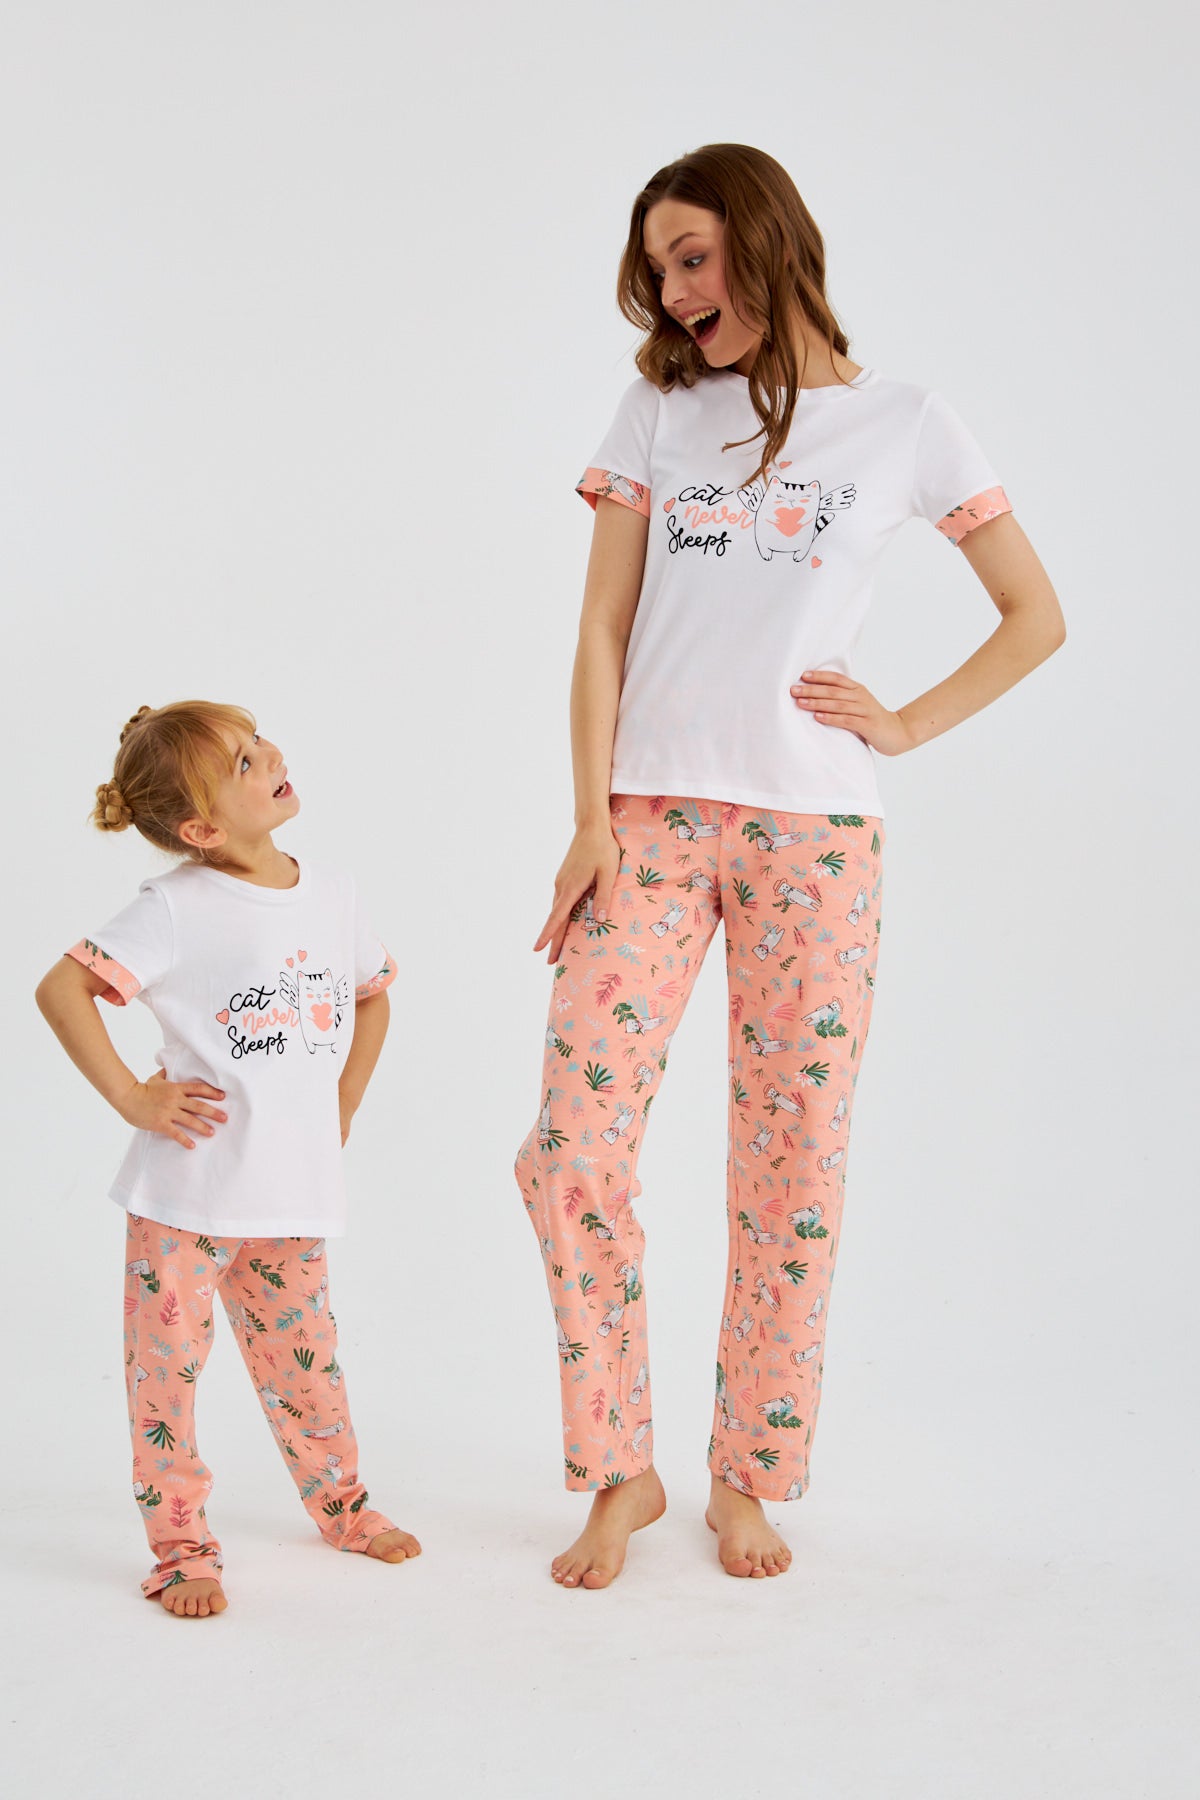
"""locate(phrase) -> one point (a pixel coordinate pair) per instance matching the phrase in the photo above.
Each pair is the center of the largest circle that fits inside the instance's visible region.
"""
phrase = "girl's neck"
(260, 864)
(822, 367)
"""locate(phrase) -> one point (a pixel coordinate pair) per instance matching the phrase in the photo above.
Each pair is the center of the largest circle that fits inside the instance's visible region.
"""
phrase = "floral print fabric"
(276, 1295)
(799, 898)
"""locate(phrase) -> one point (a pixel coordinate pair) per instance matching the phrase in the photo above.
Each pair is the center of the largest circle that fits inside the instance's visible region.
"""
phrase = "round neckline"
(253, 889)
(865, 378)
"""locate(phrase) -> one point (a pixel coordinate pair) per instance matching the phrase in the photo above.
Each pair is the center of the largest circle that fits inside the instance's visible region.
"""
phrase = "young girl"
(724, 773)
(270, 990)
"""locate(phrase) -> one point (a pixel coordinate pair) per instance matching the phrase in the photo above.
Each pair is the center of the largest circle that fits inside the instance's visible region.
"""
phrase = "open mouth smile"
(703, 324)
(283, 790)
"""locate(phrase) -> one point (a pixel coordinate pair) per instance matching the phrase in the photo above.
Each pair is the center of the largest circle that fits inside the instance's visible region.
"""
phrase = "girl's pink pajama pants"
(799, 898)
(276, 1295)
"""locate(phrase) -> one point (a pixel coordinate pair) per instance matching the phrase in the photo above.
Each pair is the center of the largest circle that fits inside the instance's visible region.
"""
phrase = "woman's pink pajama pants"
(799, 898)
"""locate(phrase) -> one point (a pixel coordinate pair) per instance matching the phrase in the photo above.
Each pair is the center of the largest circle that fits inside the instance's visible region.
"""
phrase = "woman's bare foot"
(598, 1554)
(746, 1544)
(192, 1599)
(393, 1546)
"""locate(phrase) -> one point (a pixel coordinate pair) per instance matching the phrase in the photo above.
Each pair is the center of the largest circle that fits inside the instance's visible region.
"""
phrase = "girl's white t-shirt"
(747, 584)
(254, 989)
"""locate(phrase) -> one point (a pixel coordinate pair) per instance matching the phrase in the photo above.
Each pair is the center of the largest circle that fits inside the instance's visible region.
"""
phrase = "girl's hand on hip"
(834, 699)
(590, 866)
(172, 1108)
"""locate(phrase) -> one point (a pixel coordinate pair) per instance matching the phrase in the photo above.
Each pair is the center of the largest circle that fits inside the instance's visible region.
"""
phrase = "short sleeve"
(134, 950)
(374, 969)
(620, 469)
(954, 486)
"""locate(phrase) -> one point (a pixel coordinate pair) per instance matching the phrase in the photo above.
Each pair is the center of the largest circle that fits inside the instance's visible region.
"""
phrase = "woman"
(724, 771)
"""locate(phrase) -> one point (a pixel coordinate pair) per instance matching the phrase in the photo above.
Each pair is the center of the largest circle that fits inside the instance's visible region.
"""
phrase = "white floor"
(948, 1643)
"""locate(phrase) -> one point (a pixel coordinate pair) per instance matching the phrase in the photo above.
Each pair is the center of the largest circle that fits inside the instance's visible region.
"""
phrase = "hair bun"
(141, 713)
(111, 812)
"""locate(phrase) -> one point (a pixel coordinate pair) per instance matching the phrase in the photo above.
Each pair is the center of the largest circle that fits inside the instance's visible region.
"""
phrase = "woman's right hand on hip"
(590, 866)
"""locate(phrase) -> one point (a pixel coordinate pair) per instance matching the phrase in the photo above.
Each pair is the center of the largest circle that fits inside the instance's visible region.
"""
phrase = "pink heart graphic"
(667, 505)
(789, 519)
(291, 963)
(302, 954)
(223, 1016)
(816, 562)
(787, 464)
(322, 1015)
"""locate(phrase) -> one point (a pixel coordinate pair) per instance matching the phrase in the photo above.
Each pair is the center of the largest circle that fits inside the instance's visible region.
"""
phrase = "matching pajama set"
(732, 806)
(254, 989)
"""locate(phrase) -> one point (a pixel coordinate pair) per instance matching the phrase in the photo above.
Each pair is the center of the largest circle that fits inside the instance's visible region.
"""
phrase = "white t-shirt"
(747, 586)
(254, 989)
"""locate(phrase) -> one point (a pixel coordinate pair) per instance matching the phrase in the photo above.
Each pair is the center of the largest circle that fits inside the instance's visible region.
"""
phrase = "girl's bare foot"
(192, 1599)
(393, 1546)
(746, 1544)
(598, 1554)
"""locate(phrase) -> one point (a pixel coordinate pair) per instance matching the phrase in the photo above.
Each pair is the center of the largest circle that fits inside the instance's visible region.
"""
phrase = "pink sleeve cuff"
(383, 978)
(977, 511)
(606, 484)
(122, 986)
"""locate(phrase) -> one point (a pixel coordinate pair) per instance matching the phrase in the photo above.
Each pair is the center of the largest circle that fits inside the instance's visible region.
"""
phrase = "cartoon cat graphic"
(789, 516)
(320, 1001)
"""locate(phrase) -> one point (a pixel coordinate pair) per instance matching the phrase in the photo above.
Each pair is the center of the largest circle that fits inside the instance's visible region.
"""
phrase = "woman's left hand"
(834, 699)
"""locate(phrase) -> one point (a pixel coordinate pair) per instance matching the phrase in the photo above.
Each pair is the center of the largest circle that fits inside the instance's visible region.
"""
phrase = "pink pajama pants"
(276, 1295)
(799, 898)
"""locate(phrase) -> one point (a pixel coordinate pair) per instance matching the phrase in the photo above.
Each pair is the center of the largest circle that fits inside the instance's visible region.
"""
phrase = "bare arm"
(67, 998)
(371, 1018)
(1031, 628)
(610, 598)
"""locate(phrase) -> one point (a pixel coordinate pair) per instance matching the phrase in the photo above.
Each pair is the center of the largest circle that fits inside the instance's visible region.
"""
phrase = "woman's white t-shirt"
(254, 989)
(747, 584)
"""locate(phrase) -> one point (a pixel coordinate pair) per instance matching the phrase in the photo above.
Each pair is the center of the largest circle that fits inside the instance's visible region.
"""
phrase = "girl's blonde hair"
(170, 764)
(774, 270)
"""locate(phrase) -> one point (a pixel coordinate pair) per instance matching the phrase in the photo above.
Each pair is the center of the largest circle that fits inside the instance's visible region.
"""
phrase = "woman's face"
(684, 247)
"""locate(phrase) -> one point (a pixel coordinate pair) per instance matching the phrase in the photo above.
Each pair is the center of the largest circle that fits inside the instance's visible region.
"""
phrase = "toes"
(597, 1578)
(736, 1564)
(769, 1564)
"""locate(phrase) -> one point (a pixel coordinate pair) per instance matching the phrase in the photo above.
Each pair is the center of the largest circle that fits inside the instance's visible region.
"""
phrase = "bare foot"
(393, 1546)
(192, 1599)
(746, 1544)
(598, 1554)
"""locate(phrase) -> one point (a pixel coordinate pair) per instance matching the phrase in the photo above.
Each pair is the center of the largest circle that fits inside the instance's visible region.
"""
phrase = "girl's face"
(684, 247)
(256, 796)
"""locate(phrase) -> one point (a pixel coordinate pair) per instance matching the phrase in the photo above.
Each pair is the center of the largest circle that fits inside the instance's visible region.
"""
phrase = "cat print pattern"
(789, 516)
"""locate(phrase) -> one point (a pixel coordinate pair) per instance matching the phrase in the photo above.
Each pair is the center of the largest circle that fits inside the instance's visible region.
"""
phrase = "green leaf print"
(304, 1358)
(579, 1470)
(158, 1433)
(597, 1077)
(648, 878)
(267, 1272)
(833, 860)
(289, 1408)
(744, 893)
(310, 1487)
(593, 1222)
(573, 1353)
(753, 828)
(357, 1505)
(190, 1372)
(612, 1480)
(333, 1509)
(783, 1422)
(565, 1050)
(253, 1319)
(586, 1283)
(815, 1073)
(810, 1231)
(766, 1459)
(151, 1497)
(850, 819)
(291, 1317)
(827, 1030)
(623, 1012)
(206, 1246)
(795, 1272)
(874, 843)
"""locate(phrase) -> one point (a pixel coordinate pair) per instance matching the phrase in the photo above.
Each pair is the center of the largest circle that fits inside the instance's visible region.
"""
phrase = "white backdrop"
(308, 327)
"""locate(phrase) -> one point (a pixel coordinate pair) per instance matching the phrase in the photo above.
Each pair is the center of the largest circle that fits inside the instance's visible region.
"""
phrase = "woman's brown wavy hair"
(774, 270)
